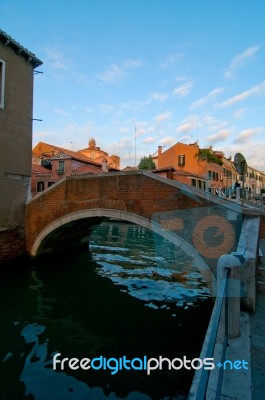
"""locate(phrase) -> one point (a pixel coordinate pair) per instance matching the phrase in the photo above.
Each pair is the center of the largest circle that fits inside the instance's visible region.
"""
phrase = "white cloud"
(61, 112)
(133, 63)
(172, 59)
(212, 123)
(239, 60)
(43, 136)
(163, 117)
(159, 96)
(219, 136)
(56, 59)
(168, 141)
(247, 134)
(143, 128)
(150, 140)
(209, 97)
(184, 89)
(124, 130)
(255, 90)
(254, 154)
(116, 72)
(112, 74)
(239, 113)
(189, 124)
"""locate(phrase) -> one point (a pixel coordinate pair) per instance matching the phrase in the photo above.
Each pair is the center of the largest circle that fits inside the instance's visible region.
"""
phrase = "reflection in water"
(133, 294)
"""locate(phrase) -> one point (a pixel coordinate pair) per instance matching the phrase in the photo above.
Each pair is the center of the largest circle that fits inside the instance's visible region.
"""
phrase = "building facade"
(52, 163)
(254, 183)
(17, 66)
(95, 153)
(204, 169)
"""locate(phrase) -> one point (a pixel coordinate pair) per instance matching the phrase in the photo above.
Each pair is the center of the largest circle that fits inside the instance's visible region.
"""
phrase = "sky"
(137, 74)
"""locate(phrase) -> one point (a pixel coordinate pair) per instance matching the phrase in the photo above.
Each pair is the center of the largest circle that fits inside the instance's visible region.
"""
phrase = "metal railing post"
(226, 316)
(233, 293)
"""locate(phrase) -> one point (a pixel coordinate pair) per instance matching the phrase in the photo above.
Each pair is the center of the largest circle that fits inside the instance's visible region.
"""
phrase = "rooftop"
(7, 40)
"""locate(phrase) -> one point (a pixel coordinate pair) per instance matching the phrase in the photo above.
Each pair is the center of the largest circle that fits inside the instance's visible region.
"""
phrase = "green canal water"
(132, 294)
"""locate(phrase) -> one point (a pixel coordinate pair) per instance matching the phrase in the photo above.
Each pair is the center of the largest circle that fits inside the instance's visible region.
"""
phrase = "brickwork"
(12, 244)
(139, 193)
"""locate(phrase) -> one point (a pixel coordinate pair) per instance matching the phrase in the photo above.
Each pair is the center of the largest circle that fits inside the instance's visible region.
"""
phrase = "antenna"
(135, 130)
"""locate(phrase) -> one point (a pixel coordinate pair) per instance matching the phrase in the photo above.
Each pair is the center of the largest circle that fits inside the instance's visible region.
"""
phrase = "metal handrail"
(203, 384)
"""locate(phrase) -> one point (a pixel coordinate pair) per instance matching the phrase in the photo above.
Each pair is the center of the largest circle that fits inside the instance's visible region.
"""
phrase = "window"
(181, 160)
(199, 184)
(61, 167)
(40, 186)
(2, 83)
(193, 182)
(50, 184)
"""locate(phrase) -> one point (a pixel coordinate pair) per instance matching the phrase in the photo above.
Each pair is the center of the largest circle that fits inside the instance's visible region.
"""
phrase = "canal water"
(132, 294)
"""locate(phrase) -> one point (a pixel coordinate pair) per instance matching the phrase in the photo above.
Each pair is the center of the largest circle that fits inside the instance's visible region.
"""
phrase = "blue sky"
(177, 70)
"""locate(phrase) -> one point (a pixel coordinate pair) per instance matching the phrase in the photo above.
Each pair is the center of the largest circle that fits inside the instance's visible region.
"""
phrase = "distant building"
(95, 153)
(17, 66)
(52, 163)
(204, 169)
(254, 183)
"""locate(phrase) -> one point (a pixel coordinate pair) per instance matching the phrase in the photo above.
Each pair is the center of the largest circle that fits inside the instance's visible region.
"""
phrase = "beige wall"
(15, 137)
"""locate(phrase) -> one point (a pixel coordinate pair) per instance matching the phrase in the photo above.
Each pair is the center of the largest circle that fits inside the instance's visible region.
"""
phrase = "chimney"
(104, 165)
(159, 150)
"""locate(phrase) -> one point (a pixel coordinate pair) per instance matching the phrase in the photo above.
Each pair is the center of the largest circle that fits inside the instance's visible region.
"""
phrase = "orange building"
(202, 168)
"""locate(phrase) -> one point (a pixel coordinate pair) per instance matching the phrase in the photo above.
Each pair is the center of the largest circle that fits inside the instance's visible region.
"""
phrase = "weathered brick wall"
(139, 193)
(135, 193)
(12, 244)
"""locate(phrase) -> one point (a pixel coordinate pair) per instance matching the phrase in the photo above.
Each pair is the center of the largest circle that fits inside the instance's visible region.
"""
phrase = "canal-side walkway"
(257, 344)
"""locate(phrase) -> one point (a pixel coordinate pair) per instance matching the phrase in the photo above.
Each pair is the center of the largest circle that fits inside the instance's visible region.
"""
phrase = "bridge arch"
(91, 217)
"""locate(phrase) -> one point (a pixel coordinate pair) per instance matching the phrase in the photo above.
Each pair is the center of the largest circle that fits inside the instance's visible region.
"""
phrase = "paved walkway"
(257, 342)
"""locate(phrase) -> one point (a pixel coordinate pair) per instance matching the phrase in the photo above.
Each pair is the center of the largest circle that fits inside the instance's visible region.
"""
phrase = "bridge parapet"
(63, 216)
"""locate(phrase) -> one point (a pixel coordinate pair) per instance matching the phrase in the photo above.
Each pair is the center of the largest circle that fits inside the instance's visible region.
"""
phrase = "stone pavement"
(257, 343)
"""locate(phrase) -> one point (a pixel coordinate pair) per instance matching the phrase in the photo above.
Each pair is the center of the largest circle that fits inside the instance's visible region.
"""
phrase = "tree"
(146, 163)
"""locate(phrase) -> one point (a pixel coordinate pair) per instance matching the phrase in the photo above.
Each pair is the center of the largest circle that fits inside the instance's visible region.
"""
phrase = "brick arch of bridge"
(179, 212)
(68, 226)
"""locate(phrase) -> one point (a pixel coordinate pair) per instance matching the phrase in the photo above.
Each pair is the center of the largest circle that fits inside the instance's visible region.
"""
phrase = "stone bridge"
(203, 225)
